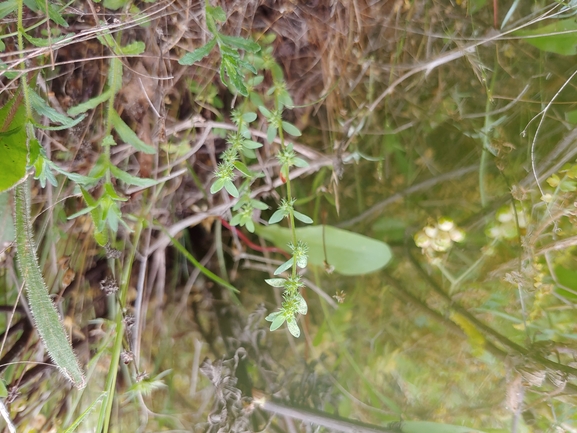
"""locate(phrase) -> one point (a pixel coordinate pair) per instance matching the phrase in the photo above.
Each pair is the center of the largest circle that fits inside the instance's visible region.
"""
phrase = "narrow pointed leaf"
(128, 135)
(302, 217)
(191, 58)
(286, 265)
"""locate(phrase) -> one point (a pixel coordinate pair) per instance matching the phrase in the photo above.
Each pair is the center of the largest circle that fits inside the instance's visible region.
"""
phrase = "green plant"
(242, 147)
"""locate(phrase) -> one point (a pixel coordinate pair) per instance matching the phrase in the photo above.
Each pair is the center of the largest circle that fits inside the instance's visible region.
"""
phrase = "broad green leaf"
(90, 104)
(433, 427)
(41, 107)
(191, 58)
(7, 7)
(559, 37)
(349, 253)
(12, 145)
(130, 179)
(240, 43)
(43, 310)
(128, 134)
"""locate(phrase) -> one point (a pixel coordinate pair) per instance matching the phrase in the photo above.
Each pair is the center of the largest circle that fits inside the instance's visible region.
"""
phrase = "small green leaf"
(265, 111)
(133, 49)
(271, 133)
(286, 265)
(302, 217)
(292, 327)
(128, 134)
(240, 43)
(299, 162)
(251, 144)
(259, 205)
(200, 53)
(276, 282)
(243, 169)
(217, 13)
(276, 217)
(249, 117)
(277, 322)
(250, 226)
(302, 308)
(289, 128)
(217, 186)
(236, 219)
(231, 188)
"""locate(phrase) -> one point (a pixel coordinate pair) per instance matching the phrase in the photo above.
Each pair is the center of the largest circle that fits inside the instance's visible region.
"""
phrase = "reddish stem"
(252, 245)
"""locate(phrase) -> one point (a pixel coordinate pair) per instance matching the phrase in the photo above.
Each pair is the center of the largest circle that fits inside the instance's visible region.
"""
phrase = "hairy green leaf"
(43, 311)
